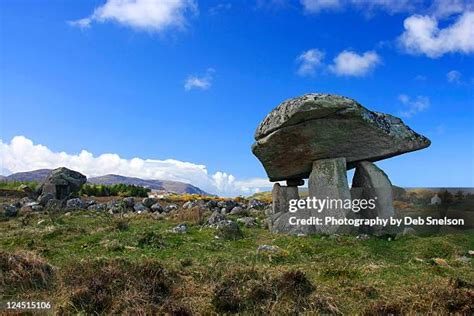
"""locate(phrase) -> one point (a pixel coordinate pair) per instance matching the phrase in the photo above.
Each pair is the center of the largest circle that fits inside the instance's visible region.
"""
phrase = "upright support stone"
(281, 196)
(328, 180)
(370, 182)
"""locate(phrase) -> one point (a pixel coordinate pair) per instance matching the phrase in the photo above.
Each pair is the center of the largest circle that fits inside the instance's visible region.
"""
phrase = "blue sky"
(181, 85)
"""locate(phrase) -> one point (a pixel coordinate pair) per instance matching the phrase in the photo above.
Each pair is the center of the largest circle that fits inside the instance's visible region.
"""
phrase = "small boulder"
(44, 198)
(247, 221)
(149, 201)
(237, 210)
(129, 201)
(215, 218)
(54, 205)
(97, 207)
(157, 208)
(75, 204)
(228, 230)
(180, 229)
(10, 211)
(257, 204)
(171, 207)
(140, 208)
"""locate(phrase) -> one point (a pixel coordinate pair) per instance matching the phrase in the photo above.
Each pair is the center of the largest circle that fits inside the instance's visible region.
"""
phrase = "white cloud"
(349, 63)
(413, 106)
(21, 154)
(391, 6)
(203, 82)
(315, 6)
(454, 76)
(309, 61)
(423, 36)
(150, 15)
(446, 8)
(221, 7)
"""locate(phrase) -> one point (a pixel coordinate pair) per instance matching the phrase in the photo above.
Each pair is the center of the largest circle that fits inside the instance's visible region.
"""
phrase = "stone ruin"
(319, 137)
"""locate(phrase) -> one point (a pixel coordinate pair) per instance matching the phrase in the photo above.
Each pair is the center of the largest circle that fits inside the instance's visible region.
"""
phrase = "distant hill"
(156, 185)
(35, 175)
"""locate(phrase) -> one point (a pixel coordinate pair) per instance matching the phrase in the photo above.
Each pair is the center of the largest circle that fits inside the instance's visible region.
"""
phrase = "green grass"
(15, 185)
(348, 274)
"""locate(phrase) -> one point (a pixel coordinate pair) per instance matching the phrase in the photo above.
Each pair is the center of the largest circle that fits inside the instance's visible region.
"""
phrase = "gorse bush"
(114, 190)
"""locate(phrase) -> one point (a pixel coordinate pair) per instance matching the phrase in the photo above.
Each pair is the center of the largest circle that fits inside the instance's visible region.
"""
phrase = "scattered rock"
(54, 205)
(228, 230)
(149, 201)
(10, 211)
(170, 207)
(247, 221)
(215, 218)
(140, 208)
(75, 203)
(188, 204)
(129, 201)
(237, 210)
(180, 229)
(257, 204)
(268, 249)
(157, 208)
(44, 198)
(97, 207)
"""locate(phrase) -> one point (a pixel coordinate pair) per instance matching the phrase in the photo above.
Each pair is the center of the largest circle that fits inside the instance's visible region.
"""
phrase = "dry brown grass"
(24, 272)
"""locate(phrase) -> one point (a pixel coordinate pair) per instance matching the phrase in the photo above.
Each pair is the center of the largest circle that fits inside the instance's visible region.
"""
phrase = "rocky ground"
(183, 255)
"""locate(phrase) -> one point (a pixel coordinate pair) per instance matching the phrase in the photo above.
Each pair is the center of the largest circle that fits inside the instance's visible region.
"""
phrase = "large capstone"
(61, 183)
(323, 126)
(371, 183)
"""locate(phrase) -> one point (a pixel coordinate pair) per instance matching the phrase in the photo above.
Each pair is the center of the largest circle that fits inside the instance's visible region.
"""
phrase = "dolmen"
(319, 137)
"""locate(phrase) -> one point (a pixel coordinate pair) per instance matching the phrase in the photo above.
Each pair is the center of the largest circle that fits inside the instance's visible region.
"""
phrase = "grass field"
(88, 262)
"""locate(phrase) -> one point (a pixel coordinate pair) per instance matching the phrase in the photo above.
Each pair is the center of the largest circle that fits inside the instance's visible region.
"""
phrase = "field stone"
(97, 207)
(170, 207)
(149, 201)
(128, 201)
(215, 218)
(75, 203)
(139, 207)
(10, 211)
(44, 198)
(54, 204)
(237, 210)
(321, 126)
(247, 221)
(157, 208)
(180, 229)
(228, 230)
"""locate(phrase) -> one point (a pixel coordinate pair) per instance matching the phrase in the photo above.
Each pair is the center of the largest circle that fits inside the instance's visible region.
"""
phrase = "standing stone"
(370, 182)
(328, 180)
(281, 196)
